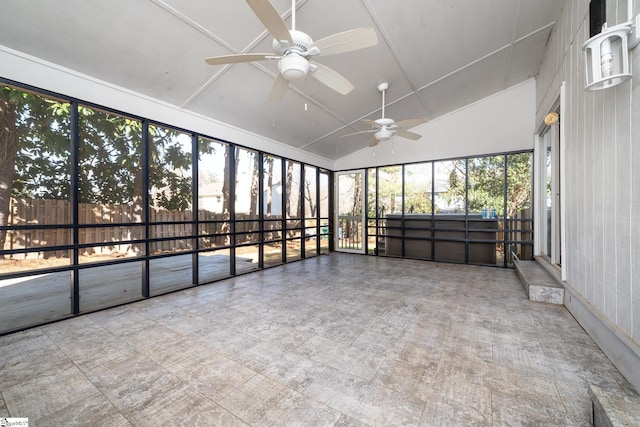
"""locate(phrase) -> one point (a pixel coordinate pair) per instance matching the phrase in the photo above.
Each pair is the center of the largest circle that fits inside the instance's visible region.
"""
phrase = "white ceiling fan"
(293, 50)
(385, 128)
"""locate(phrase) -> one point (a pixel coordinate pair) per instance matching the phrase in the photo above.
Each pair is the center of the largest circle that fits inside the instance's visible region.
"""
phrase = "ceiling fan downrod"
(382, 87)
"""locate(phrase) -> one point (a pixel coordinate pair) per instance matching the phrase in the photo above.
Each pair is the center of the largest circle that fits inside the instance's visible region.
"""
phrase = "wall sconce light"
(607, 52)
(551, 118)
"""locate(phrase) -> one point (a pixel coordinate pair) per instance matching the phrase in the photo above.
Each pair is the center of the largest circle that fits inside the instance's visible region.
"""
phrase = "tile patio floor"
(333, 340)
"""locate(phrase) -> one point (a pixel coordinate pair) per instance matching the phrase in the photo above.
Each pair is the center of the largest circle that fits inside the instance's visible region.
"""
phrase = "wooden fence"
(94, 230)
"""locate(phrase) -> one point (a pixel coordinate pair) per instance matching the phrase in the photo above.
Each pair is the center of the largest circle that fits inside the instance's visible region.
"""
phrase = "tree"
(268, 160)
(389, 190)
(170, 168)
(35, 153)
(310, 193)
(455, 194)
(34, 142)
(486, 183)
(8, 148)
(292, 209)
(519, 182)
(255, 185)
(417, 188)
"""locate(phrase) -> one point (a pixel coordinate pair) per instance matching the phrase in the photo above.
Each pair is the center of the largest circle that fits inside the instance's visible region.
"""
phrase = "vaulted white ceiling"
(436, 55)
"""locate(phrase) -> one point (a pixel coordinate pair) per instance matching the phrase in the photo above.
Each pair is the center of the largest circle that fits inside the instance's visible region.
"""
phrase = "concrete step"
(614, 409)
(538, 284)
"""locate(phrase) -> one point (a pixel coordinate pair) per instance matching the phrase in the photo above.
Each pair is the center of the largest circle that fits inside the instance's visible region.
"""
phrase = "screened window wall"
(99, 209)
(474, 210)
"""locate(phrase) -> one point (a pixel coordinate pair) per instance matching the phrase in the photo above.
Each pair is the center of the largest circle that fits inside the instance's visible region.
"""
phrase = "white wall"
(501, 122)
(602, 188)
(33, 71)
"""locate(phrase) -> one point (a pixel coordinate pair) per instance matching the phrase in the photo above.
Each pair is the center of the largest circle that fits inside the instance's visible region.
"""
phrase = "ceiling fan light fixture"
(293, 67)
(383, 134)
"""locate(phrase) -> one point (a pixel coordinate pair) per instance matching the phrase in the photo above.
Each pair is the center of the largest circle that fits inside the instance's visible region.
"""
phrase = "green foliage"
(42, 146)
(389, 190)
(417, 188)
(486, 182)
(109, 155)
(170, 168)
(519, 182)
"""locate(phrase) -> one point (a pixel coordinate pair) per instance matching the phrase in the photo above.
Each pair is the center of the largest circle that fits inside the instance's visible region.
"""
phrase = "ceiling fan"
(385, 128)
(293, 50)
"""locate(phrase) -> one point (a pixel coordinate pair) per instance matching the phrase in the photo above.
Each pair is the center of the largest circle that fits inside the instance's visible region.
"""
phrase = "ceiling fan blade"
(370, 122)
(271, 19)
(358, 133)
(347, 41)
(408, 124)
(331, 78)
(374, 142)
(240, 57)
(406, 134)
(278, 88)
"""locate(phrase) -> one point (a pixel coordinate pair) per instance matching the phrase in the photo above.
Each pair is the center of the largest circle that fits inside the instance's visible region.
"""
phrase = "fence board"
(38, 212)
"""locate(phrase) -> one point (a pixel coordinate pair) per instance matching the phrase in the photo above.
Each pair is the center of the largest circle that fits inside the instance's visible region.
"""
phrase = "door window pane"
(247, 226)
(272, 185)
(550, 205)
(293, 210)
(325, 214)
(34, 180)
(390, 208)
(450, 183)
(485, 208)
(170, 190)
(373, 245)
(310, 192)
(34, 207)
(170, 209)
(213, 194)
(519, 215)
(110, 185)
(548, 175)
(350, 211)
(417, 188)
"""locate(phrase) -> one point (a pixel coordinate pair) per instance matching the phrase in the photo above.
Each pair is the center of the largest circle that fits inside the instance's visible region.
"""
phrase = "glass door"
(349, 233)
(550, 203)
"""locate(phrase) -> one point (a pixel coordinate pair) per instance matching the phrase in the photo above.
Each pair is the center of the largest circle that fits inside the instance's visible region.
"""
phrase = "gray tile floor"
(334, 340)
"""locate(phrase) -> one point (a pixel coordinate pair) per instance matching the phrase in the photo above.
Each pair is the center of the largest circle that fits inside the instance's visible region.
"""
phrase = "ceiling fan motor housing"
(385, 121)
(301, 42)
(293, 65)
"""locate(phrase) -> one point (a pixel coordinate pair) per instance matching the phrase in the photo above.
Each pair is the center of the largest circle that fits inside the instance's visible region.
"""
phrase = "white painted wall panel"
(574, 127)
(499, 123)
(591, 168)
(602, 200)
(623, 226)
(634, 197)
(604, 180)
